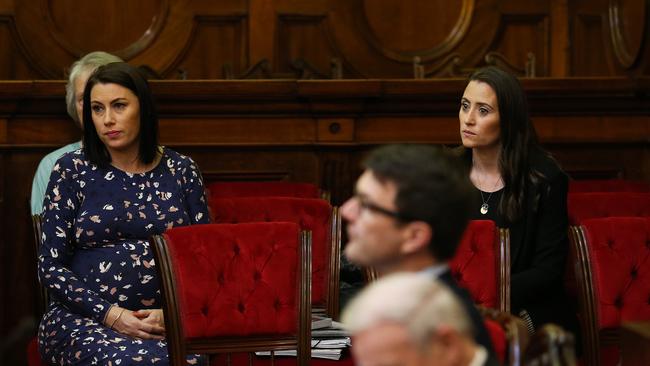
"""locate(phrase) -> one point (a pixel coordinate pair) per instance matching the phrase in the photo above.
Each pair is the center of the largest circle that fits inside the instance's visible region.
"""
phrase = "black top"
(539, 245)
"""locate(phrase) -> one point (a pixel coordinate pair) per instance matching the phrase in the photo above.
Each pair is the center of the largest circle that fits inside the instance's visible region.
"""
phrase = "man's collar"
(434, 271)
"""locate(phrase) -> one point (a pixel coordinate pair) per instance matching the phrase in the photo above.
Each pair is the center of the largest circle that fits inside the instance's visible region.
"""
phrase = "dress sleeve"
(39, 184)
(61, 203)
(194, 191)
(551, 246)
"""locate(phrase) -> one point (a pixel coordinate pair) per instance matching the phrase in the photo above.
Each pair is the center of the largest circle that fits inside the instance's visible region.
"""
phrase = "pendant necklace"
(485, 206)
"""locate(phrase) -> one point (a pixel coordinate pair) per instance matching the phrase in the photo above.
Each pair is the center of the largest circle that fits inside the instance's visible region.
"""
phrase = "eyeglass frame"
(365, 205)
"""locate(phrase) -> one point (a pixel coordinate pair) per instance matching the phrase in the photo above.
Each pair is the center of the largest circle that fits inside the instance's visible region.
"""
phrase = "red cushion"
(619, 252)
(311, 214)
(498, 338)
(262, 189)
(475, 264)
(582, 206)
(608, 185)
(33, 356)
(236, 280)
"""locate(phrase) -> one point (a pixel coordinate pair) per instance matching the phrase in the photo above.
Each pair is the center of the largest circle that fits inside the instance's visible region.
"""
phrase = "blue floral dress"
(95, 253)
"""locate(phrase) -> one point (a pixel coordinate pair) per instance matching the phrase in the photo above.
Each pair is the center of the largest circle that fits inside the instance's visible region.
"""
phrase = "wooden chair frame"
(44, 298)
(516, 333)
(334, 265)
(592, 337)
(178, 347)
(503, 266)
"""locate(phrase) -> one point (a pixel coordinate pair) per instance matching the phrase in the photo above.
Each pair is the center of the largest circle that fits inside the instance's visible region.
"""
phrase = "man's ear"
(417, 236)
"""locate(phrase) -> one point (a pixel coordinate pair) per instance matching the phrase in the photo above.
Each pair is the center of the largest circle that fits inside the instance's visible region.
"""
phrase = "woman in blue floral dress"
(103, 202)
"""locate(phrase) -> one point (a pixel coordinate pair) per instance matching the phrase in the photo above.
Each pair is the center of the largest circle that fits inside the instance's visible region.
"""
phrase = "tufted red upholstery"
(608, 185)
(224, 280)
(262, 189)
(614, 257)
(315, 215)
(477, 265)
(583, 206)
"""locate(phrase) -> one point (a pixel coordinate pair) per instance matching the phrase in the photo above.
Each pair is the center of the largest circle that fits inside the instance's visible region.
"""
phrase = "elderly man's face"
(374, 236)
(387, 344)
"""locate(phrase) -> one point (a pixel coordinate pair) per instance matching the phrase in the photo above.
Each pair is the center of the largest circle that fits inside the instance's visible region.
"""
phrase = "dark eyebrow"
(463, 99)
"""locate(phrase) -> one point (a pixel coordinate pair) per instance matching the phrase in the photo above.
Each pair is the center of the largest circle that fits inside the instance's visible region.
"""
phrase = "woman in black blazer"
(521, 188)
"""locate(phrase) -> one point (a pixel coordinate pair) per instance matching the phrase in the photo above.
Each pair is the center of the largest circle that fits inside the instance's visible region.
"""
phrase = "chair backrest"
(262, 189)
(551, 345)
(233, 288)
(44, 298)
(582, 206)
(508, 334)
(482, 264)
(315, 215)
(608, 185)
(613, 278)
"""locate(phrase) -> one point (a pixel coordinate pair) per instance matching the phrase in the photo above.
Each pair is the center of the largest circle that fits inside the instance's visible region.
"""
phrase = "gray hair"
(417, 302)
(90, 63)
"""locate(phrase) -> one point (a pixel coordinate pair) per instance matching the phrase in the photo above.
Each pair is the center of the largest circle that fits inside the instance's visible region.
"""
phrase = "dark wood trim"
(503, 266)
(304, 297)
(334, 265)
(173, 324)
(516, 333)
(586, 296)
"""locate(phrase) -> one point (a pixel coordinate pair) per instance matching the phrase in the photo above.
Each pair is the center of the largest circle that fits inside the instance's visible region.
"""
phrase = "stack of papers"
(329, 339)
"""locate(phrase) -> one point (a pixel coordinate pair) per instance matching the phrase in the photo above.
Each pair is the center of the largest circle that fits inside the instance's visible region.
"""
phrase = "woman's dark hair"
(518, 139)
(123, 74)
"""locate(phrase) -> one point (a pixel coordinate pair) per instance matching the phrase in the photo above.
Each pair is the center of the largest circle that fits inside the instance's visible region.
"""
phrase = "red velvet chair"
(235, 288)
(315, 215)
(263, 189)
(482, 264)
(613, 277)
(508, 334)
(608, 185)
(583, 206)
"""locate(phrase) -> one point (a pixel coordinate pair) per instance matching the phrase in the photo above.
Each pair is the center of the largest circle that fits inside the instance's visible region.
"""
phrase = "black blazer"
(481, 335)
(539, 244)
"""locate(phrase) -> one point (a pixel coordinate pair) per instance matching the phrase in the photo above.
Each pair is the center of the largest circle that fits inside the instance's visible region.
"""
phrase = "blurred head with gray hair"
(77, 77)
(409, 319)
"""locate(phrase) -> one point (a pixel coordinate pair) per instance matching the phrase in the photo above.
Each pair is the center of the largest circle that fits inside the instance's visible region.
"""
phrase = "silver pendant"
(484, 208)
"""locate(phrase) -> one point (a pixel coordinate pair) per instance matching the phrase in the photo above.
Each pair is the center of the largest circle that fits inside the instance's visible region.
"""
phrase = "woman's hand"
(151, 316)
(124, 321)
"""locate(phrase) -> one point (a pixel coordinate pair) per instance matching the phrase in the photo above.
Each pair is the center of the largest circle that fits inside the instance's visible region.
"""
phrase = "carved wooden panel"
(121, 27)
(300, 39)
(590, 55)
(524, 42)
(218, 43)
(306, 38)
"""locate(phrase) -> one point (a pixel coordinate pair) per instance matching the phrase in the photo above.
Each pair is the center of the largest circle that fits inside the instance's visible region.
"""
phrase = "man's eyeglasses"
(365, 205)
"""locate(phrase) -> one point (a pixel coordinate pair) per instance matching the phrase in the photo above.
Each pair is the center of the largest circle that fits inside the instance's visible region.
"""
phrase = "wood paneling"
(370, 39)
(218, 43)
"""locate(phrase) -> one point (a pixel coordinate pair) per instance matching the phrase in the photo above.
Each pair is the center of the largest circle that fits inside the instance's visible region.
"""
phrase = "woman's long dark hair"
(518, 140)
(129, 77)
